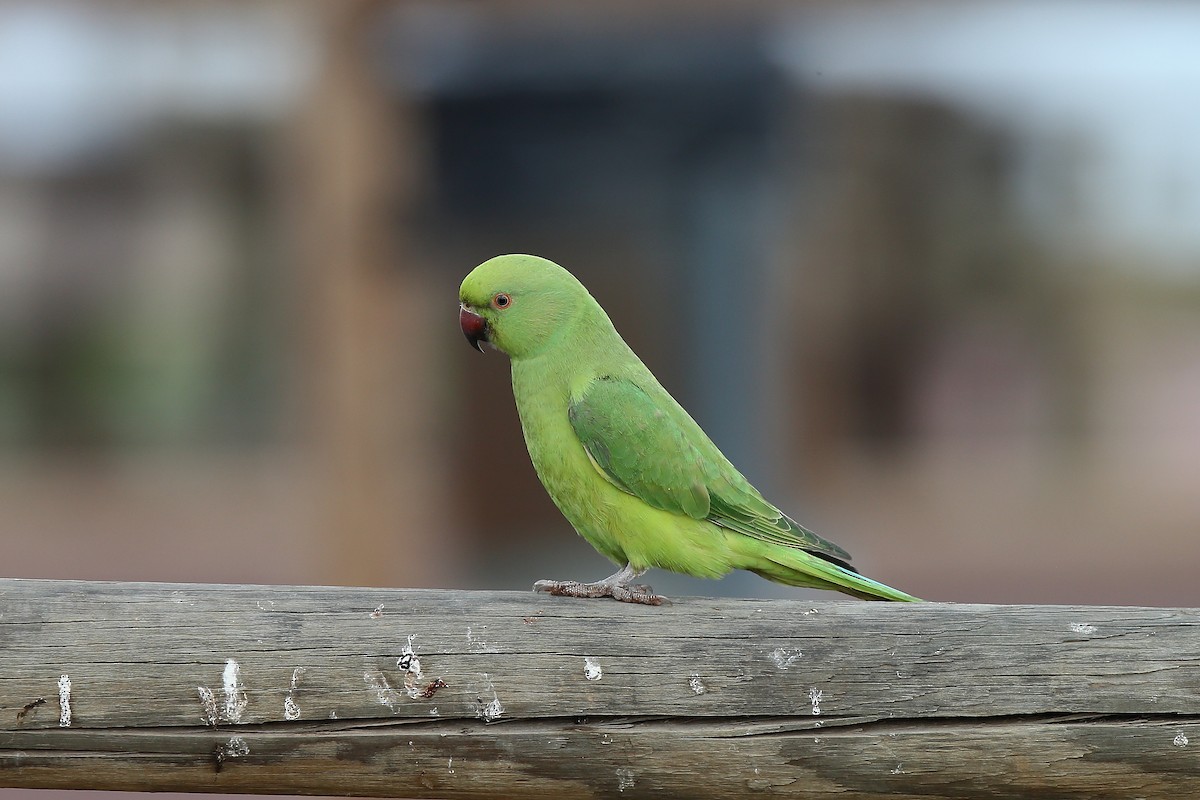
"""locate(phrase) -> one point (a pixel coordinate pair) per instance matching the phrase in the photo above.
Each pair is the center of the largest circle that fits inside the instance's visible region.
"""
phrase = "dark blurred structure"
(940, 301)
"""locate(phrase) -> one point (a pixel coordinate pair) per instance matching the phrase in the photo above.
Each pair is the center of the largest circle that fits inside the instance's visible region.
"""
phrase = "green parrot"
(627, 466)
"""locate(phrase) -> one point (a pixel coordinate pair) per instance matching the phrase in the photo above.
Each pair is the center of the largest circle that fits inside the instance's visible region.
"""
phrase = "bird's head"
(518, 304)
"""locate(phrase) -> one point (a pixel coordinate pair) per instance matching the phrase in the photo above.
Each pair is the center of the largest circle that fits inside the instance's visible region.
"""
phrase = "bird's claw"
(625, 593)
(641, 593)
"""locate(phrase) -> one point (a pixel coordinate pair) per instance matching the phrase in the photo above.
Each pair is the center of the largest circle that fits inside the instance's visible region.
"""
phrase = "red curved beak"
(474, 327)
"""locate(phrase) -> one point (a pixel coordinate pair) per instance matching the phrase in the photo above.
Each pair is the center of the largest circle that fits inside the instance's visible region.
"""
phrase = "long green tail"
(798, 568)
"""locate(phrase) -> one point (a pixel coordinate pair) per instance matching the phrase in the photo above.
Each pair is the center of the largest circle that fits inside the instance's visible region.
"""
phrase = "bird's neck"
(587, 347)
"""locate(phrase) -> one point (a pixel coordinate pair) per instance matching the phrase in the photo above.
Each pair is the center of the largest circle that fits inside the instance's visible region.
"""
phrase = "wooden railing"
(456, 694)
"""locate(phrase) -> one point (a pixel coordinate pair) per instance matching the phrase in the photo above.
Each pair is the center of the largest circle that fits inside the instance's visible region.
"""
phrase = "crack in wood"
(730, 727)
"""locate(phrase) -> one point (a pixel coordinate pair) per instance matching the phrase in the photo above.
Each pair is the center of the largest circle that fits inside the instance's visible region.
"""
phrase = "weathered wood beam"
(442, 694)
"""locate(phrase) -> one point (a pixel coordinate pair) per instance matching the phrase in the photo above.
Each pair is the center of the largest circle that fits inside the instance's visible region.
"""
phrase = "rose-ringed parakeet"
(628, 467)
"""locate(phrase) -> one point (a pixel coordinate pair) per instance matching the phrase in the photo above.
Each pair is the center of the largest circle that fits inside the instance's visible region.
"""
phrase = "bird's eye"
(501, 301)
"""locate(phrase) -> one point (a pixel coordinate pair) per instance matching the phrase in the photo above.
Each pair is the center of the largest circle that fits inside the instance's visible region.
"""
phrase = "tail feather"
(799, 568)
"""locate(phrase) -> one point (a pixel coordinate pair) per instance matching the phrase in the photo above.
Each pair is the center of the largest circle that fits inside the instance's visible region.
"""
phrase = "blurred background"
(929, 273)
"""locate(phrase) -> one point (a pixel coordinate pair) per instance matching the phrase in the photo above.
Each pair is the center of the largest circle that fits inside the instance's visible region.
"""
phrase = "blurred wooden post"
(405, 693)
(371, 389)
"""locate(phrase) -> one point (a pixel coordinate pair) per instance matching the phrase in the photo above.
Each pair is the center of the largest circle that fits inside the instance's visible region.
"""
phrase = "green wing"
(656, 452)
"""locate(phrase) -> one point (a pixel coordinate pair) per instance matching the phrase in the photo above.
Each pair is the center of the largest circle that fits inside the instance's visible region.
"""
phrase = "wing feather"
(646, 445)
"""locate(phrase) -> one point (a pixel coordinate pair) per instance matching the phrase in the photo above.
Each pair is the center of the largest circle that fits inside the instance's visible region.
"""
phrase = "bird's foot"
(617, 586)
(617, 590)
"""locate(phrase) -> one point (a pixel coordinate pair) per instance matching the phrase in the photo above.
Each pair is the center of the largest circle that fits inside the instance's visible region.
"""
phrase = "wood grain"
(386, 692)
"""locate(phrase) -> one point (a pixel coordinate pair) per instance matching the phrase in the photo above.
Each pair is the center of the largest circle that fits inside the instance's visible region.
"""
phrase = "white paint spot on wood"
(291, 710)
(488, 710)
(1083, 627)
(784, 657)
(235, 695)
(624, 779)
(377, 613)
(64, 701)
(606, 739)
(236, 748)
(493, 710)
(411, 665)
(408, 660)
(209, 703)
(1180, 740)
(898, 769)
(814, 697)
(269, 605)
(450, 766)
(476, 642)
(385, 695)
(696, 685)
(433, 712)
(591, 669)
